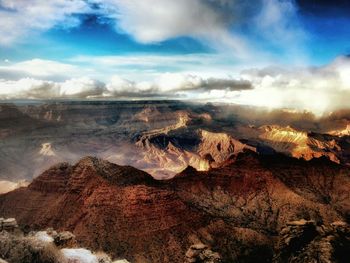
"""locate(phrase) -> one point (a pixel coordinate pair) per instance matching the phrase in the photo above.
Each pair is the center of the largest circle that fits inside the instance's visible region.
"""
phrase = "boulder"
(9, 224)
(65, 239)
(201, 253)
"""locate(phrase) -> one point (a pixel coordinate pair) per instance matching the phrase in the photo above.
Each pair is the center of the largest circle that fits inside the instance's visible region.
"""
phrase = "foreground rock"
(201, 253)
(65, 239)
(236, 210)
(8, 224)
(46, 246)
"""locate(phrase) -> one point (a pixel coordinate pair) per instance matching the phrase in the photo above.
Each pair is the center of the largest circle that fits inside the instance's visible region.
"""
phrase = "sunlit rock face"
(46, 149)
(341, 132)
(299, 144)
(174, 150)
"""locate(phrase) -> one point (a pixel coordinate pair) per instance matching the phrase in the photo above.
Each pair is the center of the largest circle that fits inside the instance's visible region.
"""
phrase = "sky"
(271, 53)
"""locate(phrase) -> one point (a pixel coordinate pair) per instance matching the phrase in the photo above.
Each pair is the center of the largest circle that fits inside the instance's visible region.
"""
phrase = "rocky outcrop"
(201, 253)
(64, 239)
(304, 241)
(299, 144)
(341, 132)
(15, 248)
(8, 224)
(264, 193)
(113, 208)
(47, 246)
(173, 152)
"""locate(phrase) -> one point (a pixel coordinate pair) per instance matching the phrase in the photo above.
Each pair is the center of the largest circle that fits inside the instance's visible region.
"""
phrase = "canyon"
(169, 181)
(159, 137)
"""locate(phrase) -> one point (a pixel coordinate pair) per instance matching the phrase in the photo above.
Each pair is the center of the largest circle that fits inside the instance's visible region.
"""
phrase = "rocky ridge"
(235, 210)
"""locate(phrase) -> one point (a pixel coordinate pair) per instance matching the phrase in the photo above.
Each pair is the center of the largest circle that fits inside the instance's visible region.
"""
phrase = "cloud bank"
(178, 85)
(317, 89)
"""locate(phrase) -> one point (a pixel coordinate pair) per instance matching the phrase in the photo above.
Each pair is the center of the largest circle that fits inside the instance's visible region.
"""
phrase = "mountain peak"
(92, 161)
(115, 174)
(188, 171)
(247, 155)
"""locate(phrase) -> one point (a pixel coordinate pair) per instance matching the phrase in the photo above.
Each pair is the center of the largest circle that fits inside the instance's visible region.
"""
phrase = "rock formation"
(8, 224)
(201, 253)
(236, 210)
(299, 144)
(305, 241)
(46, 246)
(159, 137)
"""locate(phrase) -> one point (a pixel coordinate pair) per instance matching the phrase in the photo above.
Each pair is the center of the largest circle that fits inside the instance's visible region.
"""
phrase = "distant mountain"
(232, 213)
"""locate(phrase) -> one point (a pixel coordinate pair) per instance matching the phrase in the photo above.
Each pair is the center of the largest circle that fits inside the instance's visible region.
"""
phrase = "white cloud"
(217, 23)
(166, 85)
(167, 19)
(135, 67)
(28, 88)
(319, 89)
(38, 68)
(172, 85)
(170, 82)
(81, 88)
(20, 18)
(141, 67)
(154, 20)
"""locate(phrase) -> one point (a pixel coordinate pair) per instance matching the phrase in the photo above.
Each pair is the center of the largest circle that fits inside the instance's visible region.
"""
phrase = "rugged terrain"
(159, 137)
(235, 212)
(240, 184)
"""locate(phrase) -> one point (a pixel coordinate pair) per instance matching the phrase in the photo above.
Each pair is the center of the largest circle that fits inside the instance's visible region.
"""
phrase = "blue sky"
(104, 48)
(327, 36)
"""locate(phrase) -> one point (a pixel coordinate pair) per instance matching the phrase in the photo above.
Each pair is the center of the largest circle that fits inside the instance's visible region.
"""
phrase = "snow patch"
(79, 255)
(43, 236)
